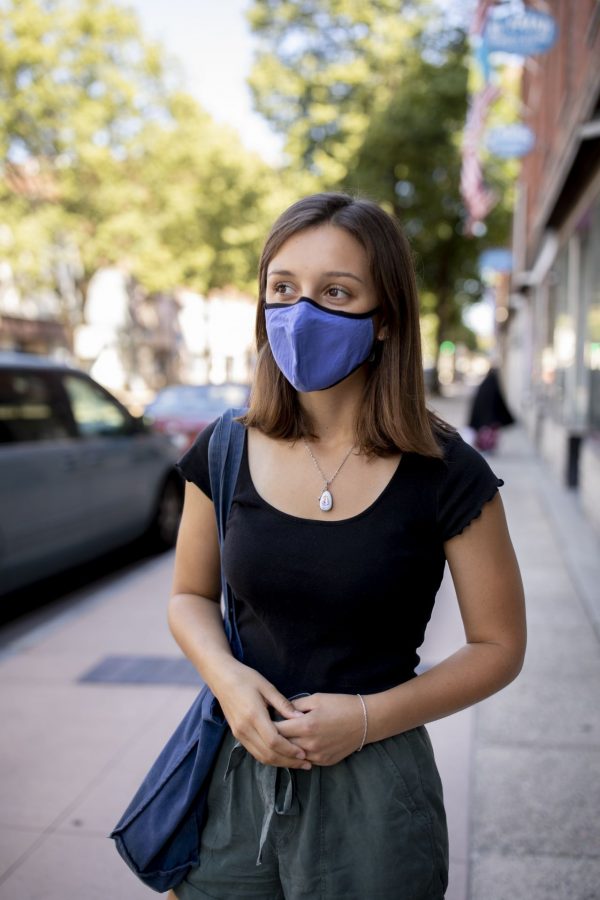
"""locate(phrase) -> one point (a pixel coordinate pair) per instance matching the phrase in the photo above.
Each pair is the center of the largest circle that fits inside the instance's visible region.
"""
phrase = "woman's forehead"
(326, 247)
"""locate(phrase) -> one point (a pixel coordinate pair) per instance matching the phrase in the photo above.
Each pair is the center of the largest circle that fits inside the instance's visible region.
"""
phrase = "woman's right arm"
(196, 623)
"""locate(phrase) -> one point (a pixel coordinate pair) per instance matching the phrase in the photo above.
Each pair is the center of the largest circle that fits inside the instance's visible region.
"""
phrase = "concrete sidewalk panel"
(130, 627)
(458, 877)
(451, 737)
(561, 650)
(76, 867)
(44, 667)
(496, 877)
(550, 598)
(556, 711)
(537, 800)
(61, 737)
(100, 807)
(15, 843)
(127, 616)
(539, 547)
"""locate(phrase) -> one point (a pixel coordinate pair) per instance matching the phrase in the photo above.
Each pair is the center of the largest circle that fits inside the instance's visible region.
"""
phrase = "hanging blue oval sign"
(497, 258)
(523, 31)
(510, 141)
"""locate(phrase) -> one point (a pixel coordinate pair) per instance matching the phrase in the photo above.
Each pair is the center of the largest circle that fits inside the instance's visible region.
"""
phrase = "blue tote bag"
(158, 835)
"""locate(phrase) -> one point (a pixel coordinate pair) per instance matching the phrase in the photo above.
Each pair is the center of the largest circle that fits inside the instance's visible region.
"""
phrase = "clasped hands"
(320, 729)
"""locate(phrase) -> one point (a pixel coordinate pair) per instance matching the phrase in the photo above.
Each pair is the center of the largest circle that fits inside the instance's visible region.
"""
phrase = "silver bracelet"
(364, 737)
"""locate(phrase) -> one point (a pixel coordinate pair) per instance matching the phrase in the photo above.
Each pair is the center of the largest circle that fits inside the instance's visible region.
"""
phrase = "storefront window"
(558, 353)
(590, 286)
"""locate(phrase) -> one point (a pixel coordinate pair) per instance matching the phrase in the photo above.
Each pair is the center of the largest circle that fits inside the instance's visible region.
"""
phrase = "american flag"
(480, 15)
(478, 110)
(478, 198)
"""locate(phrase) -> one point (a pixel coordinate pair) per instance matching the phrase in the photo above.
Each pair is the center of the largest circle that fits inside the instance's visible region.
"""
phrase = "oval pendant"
(326, 501)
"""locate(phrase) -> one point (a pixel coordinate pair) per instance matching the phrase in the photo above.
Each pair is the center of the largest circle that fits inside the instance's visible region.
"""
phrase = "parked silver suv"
(79, 475)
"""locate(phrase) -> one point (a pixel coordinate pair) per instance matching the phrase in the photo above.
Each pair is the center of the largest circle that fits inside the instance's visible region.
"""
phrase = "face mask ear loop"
(376, 351)
(377, 347)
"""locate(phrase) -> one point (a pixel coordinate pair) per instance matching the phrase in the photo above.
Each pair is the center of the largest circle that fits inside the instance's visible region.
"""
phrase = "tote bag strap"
(225, 450)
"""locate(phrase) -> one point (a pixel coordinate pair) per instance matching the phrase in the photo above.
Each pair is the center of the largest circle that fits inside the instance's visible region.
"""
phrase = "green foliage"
(100, 152)
(372, 99)
(188, 208)
(72, 75)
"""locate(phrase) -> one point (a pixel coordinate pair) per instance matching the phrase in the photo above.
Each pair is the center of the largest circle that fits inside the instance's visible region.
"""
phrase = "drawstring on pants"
(276, 787)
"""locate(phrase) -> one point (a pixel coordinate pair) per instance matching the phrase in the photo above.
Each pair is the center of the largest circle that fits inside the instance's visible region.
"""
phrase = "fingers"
(301, 727)
(252, 725)
(295, 728)
(273, 749)
(304, 734)
(277, 746)
(329, 730)
(306, 704)
(264, 742)
(283, 706)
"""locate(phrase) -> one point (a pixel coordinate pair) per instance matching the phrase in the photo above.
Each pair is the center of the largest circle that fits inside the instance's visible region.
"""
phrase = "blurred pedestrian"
(350, 498)
(489, 412)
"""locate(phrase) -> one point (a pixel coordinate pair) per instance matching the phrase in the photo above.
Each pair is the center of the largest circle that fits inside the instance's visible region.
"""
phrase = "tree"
(77, 81)
(410, 161)
(372, 98)
(319, 65)
(75, 76)
(190, 207)
(104, 158)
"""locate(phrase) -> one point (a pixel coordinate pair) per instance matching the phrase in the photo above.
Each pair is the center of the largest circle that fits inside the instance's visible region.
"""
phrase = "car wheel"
(165, 525)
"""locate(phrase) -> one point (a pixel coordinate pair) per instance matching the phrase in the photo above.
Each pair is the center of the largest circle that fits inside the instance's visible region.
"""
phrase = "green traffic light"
(447, 347)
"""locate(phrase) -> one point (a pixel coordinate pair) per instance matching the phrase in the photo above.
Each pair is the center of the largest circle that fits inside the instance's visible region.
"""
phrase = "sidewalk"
(521, 771)
(535, 803)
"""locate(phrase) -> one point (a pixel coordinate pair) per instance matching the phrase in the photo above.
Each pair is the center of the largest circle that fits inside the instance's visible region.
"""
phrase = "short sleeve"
(467, 484)
(193, 465)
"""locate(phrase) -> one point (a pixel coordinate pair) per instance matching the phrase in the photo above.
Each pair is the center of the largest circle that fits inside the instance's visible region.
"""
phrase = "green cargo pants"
(371, 827)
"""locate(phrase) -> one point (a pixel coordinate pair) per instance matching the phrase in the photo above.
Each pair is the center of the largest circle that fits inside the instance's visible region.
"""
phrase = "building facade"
(552, 333)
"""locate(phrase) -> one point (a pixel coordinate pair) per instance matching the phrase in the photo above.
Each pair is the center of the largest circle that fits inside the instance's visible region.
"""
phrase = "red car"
(183, 410)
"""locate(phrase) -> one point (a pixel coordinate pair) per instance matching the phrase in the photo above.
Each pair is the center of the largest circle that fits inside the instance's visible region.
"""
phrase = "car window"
(200, 397)
(94, 412)
(229, 394)
(29, 410)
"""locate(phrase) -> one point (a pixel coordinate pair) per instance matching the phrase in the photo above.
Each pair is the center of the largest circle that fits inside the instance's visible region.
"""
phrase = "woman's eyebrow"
(329, 274)
(343, 275)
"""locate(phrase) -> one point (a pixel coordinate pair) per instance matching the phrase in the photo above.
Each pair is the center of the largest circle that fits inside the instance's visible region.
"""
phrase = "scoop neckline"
(328, 522)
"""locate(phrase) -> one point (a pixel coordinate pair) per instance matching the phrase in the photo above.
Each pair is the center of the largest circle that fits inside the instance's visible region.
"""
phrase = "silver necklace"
(326, 498)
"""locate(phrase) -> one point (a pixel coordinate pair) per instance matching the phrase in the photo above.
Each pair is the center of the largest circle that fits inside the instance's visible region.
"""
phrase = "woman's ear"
(382, 333)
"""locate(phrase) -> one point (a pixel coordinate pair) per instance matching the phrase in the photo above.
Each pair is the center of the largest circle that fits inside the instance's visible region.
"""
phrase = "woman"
(350, 498)
(489, 412)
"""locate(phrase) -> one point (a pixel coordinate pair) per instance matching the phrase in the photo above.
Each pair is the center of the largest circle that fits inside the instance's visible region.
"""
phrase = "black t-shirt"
(342, 606)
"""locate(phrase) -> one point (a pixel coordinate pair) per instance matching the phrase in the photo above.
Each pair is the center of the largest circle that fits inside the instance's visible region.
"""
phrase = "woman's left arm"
(488, 585)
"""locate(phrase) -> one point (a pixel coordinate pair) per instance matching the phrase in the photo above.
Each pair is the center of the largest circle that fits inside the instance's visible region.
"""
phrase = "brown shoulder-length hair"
(393, 416)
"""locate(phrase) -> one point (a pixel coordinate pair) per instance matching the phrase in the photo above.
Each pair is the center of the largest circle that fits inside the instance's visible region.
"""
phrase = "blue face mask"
(314, 347)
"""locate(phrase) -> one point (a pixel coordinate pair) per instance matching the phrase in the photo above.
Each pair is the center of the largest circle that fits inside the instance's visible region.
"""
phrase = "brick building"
(552, 336)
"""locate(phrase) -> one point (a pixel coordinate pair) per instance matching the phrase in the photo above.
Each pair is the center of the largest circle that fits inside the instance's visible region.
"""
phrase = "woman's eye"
(337, 293)
(282, 289)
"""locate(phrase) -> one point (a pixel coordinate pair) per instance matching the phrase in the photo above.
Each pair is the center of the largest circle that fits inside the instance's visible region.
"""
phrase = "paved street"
(521, 771)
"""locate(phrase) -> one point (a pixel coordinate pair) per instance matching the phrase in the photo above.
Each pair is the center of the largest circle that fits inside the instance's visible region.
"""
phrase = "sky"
(213, 44)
